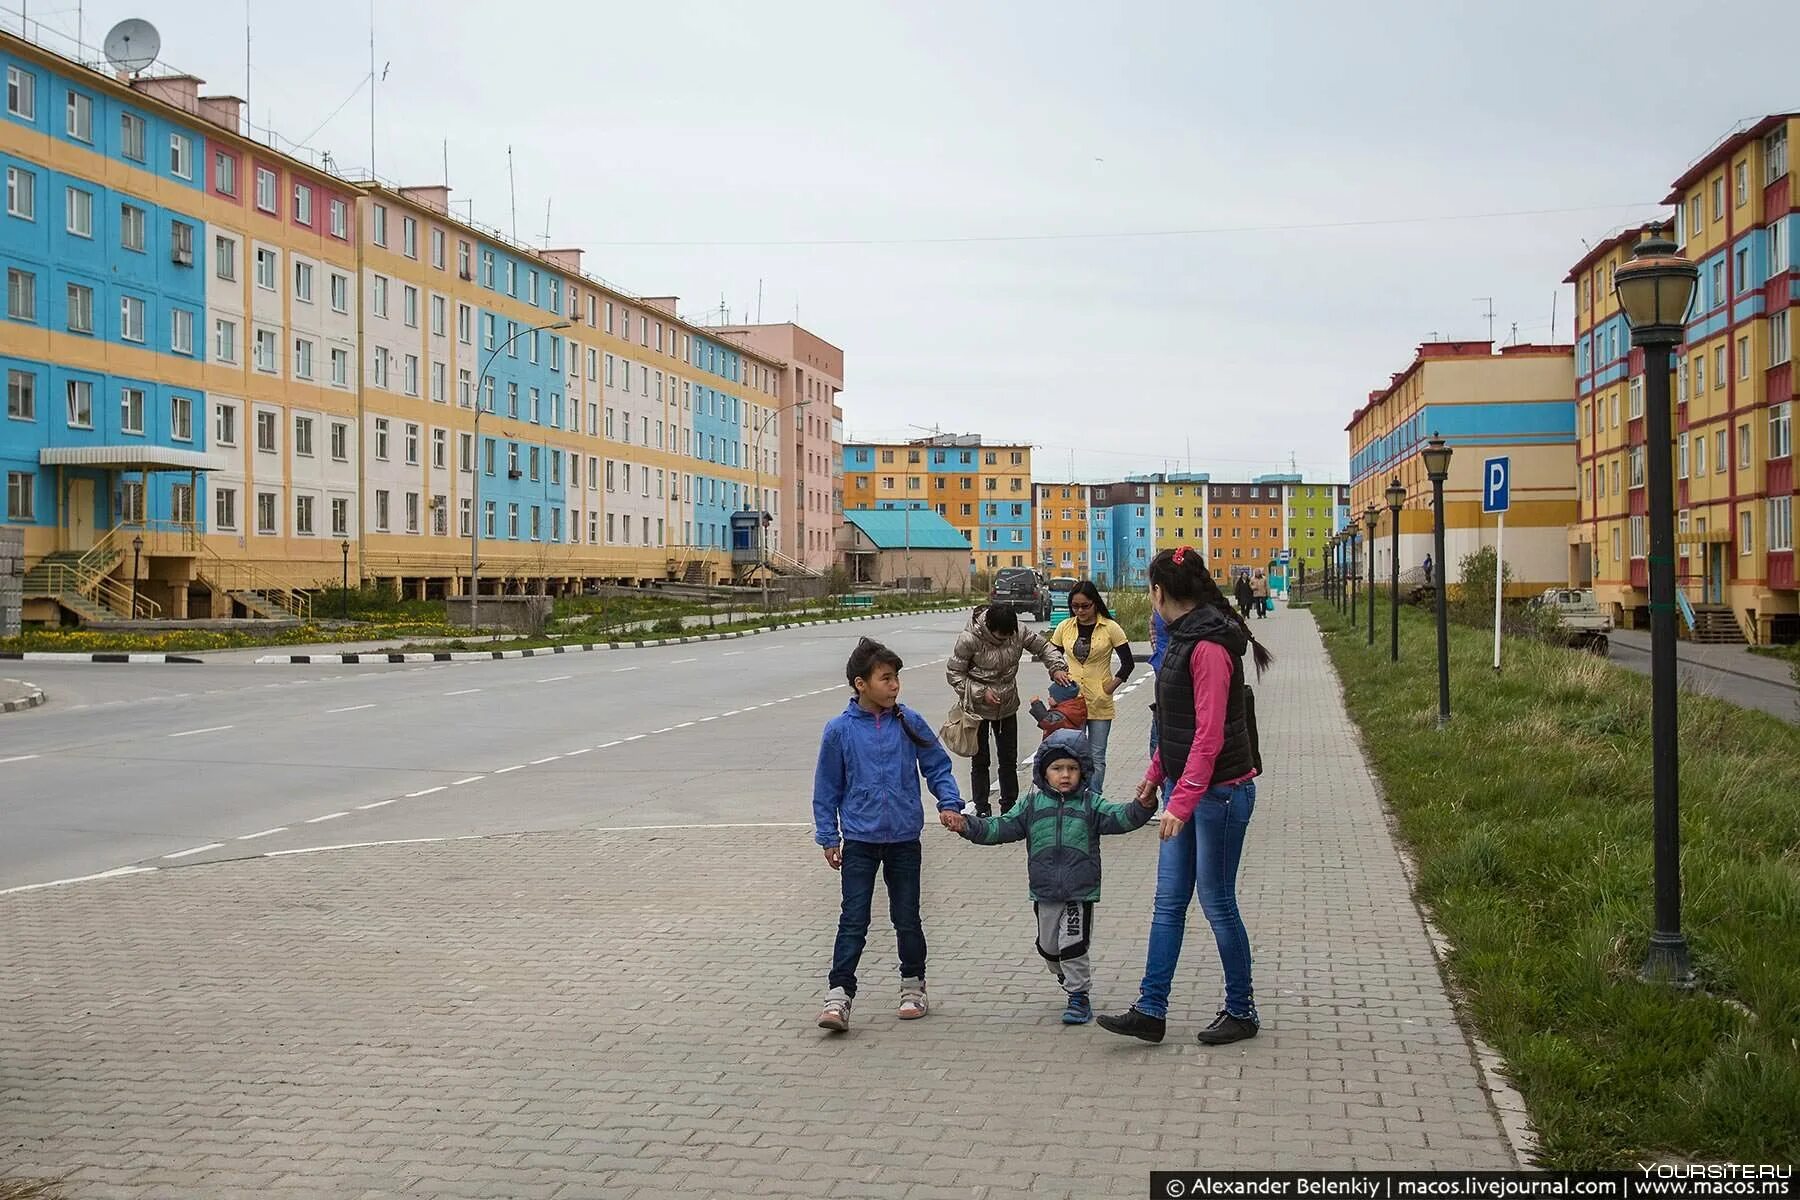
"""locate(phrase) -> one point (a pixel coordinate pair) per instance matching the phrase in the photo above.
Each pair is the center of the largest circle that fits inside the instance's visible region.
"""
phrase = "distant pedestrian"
(1259, 590)
(1061, 821)
(1089, 638)
(1245, 594)
(1428, 566)
(984, 670)
(866, 815)
(1208, 745)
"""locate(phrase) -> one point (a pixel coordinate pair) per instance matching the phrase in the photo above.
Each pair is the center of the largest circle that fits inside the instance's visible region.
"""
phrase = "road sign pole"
(1499, 584)
(1496, 498)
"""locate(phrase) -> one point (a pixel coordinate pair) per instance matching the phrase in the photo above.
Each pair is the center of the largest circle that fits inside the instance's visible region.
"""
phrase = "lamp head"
(1655, 290)
(1396, 494)
(1437, 459)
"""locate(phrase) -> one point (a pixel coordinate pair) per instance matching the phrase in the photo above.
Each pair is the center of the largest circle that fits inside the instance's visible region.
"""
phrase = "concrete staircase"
(76, 581)
(1717, 625)
(695, 574)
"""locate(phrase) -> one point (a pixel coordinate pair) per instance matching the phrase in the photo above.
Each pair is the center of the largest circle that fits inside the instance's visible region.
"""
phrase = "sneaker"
(1226, 1029)
(912, 999)
(1079, 1012)
(835, 1016)
(1133, 1023)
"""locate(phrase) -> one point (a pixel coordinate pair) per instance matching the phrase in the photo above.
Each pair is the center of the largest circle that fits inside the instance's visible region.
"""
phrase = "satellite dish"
(133, 45)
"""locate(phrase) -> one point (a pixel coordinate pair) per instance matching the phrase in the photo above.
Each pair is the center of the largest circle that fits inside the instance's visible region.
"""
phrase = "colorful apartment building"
(984, 491)
(1063, 528)
(1119, 532)
(260, 377)
(812, 435)
(1518, 403)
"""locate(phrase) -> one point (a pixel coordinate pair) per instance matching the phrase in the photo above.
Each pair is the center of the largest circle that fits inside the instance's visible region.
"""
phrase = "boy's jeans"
(899, 863)
(1203, 859)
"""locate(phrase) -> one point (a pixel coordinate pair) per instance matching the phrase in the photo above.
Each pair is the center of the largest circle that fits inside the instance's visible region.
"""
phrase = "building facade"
(983, 491)
(1518, 403)
(1119, 532)
(812, 437)
(1063, 529)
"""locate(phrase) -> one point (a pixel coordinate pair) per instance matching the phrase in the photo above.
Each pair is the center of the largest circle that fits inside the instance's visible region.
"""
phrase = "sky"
(1311, 188)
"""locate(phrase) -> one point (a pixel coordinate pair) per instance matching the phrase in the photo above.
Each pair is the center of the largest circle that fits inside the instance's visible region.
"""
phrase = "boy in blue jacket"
(866, 814)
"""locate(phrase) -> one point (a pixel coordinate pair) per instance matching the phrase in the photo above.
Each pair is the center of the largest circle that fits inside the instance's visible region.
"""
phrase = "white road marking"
(538, 762)
(265, 833)
(327, 817)
(511, 769)
(470, 779)
(209, 729)
(426, 792)
(664, 729)
(685, 725)
(704, 720)
(352, 708)
(554, 679)
(583, 750)
(18, 758)
(112, 874)
(679, 661)
(464, 692)
(636, 737)
(734, 712)
(195, 850)
(622, 670)
(732, 653)
(609, 745)
(380, 803)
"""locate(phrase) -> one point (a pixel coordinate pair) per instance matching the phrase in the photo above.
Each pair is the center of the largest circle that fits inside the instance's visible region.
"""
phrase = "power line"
(1126, 235)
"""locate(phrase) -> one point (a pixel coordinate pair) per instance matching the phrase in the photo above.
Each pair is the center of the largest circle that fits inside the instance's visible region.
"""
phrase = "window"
(412, 512)
(410, 376)
(1718, 198)
(465, 324)
(378, 299)
(265, 432)
(131, 318)
(1781, 430)
(131, 410)
(81, 404)
(1743, 357)
(381, 439)
(225, 508)
(264, 359)
(437, 248)
(1743, 432)
(1775, 163)
(225, 174)
(1746, 534)
(340, 292)
(378, 231)
(1637, 467)
(340, 368)
(381, 510)
(181, 156)
(225, 258)
(1741, 184)
(440, 448)
(303, 282)
(1781, 523)
(1719, 368)
(303, 203)
(181, 331)
(225, 425)
(440, 316)
(21, 295)
(1700, 455)
(81, 309)
(340, 442)
(465, 388)
(303, 437)
(79, 209)
(21, 94)
(21, 194)
(1778, 337)
(21, 395)
(340, 224)
(1639, 540)
(438, 374)
(409, 238)
(265, 189)
(411, 441)
(340, 517)
(303, 358)
(131, 136)
(409, 307)
(131, 227)
(265, 269)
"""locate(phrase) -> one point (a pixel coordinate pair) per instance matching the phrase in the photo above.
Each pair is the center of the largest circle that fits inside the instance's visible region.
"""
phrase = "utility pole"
(1489, 314)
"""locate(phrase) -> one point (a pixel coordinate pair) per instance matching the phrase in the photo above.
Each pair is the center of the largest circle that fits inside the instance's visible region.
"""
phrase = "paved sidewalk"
(630, 1014)
(1729, 672)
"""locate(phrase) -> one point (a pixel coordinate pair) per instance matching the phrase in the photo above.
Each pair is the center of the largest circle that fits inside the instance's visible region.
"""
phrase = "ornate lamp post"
(137, 551)
(1396, 498)
(1371, 519)
(1437, 466)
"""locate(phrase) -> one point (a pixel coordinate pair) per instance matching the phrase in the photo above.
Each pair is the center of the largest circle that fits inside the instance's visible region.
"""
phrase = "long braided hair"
(1182, 575)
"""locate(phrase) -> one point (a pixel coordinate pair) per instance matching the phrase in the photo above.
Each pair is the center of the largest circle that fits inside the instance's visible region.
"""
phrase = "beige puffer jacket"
(983, 661)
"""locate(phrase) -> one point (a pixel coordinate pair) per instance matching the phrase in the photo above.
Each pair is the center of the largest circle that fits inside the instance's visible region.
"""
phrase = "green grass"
(1530, 817)
(177, 641)
(1131, 609)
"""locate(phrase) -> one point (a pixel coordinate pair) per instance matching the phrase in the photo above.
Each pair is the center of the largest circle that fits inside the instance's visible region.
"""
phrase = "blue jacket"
(866, 787)
(1159, 640)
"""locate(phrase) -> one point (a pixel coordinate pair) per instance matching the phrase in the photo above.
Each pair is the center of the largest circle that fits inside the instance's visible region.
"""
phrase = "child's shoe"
(913, 1004)
(1079, 1012)
(836, 1014)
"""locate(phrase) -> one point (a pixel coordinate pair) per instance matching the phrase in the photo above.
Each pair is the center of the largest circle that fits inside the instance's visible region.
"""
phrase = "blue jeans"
(1097, 734)
(1168, 785)
(1203, 860)
(899, 863)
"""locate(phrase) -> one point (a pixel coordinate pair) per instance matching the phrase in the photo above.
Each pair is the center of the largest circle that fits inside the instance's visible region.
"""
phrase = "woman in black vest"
(1206, 718)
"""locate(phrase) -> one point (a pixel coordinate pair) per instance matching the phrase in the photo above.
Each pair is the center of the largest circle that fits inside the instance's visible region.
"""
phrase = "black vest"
(1240, 755)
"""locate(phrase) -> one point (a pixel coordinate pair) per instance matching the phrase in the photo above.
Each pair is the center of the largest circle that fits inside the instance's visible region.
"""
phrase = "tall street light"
(1331, 570)
(1655, 289)
(1396, 497)
(345, 547)
(137, 550)
(1437, 467)
(1371, 519)
(762, 517)
(475, 471)
(1352, 573)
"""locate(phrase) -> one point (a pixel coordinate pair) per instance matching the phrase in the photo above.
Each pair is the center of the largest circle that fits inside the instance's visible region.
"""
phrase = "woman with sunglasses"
(1088, 639)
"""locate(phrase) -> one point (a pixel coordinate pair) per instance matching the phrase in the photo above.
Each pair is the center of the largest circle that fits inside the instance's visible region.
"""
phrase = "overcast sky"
(681, 143)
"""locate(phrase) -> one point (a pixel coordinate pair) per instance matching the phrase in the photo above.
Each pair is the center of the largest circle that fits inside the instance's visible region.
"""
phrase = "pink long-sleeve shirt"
(1210, 666)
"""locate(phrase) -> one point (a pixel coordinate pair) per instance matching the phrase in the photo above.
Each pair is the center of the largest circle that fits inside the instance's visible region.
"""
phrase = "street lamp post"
(1343, 559)
(475, 472)
(137, 550)
(1396, 497)
(1371, 519)
(762, 532)
(1655, 289)
(1437, 466)
(1350, 532)
(1337, 571)
(345, 547)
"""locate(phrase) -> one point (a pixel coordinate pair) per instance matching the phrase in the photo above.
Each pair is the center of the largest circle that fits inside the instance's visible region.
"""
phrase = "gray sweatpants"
(1063, 931)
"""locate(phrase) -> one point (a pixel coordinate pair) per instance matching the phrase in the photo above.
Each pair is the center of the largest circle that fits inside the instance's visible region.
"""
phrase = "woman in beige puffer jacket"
(984, 670)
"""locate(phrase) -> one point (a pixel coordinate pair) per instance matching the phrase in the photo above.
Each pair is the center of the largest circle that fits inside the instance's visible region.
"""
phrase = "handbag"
(961, 731)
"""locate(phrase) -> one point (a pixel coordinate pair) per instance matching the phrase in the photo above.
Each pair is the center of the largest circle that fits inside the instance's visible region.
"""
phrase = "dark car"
(1023, 590)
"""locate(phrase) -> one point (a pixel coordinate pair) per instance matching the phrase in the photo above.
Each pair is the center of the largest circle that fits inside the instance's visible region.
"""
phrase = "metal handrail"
(100, 588)
(232, 576)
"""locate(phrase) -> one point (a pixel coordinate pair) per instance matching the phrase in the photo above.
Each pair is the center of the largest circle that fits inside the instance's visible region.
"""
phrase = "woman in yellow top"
(1088, 640)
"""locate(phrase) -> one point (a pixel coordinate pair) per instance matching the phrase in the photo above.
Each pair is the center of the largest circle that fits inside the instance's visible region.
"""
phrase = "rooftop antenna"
(132, 45)
(372, 90)
(512, 194)
(246, 60)
(446, 162)
(547, 224)
(1515, 334)
(759, 284)
(1489, 314)
(1553, 296)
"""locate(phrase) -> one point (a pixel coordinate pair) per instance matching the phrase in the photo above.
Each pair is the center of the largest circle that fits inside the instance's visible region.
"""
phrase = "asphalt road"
(177, 765)
(1744, 681)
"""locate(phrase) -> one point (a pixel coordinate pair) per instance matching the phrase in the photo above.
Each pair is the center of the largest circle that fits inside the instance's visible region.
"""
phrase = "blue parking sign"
(1496, 485)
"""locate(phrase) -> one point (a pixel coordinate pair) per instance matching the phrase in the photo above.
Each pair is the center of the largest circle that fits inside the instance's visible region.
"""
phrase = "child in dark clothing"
(1067, 709)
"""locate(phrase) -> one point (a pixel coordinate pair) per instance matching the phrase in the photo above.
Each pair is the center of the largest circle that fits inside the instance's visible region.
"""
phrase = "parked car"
(1059, 597)
(1583, 623)
(1022, 589)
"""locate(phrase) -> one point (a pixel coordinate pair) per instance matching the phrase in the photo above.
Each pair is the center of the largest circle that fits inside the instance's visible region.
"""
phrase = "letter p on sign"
(1496, 487)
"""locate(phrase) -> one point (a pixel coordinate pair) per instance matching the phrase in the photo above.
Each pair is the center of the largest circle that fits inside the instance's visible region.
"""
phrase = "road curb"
(58, 656)
(32, 700)
(442, 656)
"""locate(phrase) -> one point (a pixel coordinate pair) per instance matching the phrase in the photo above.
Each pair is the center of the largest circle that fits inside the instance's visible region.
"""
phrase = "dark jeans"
(1006, 735)
(899, 863)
